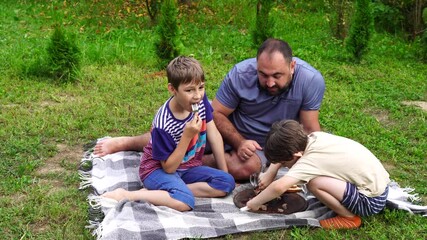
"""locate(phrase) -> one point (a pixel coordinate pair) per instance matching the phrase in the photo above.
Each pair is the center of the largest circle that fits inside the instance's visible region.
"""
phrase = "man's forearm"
(228, 132)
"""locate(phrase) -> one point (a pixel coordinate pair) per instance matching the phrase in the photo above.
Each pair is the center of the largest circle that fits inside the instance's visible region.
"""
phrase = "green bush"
(338, 15)
(63, 56)
(169, 44)
(153, 7)
(264, 25)
(387, 18)
(360, 30)
(400, 17)
(424, 37)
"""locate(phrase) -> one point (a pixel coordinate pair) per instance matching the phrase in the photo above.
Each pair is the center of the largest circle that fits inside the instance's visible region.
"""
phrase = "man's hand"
(247, 148)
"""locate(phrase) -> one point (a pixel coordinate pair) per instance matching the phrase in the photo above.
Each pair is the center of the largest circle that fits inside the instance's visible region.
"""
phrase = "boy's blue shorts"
(176, 183)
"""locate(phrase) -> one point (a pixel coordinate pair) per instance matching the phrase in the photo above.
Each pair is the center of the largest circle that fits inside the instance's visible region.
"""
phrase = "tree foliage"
(360, 30)
(424, 38)
(153, 7)
(265, 24)
(169, 44)
(400, 16)
(338, 15)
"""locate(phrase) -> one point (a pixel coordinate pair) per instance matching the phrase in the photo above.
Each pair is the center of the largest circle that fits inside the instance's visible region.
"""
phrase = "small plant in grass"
(169, 44)
(63, 56)
(265, 24)
(360, 30)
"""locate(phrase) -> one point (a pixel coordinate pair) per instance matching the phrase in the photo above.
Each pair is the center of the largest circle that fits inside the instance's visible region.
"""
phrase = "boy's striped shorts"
(362, 205)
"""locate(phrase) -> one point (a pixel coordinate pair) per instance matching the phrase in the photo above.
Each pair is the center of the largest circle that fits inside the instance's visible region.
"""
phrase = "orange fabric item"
(340, 222)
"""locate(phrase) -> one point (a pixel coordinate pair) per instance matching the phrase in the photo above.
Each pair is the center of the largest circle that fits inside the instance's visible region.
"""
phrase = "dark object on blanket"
(286, 204)
(96, 214)
(88, 146)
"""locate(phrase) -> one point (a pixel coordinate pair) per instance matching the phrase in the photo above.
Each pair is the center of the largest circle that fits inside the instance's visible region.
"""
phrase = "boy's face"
(290, 163)
(189, 93)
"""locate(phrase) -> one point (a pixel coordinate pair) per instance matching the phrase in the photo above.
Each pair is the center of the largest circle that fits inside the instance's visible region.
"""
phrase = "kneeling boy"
(341, 173)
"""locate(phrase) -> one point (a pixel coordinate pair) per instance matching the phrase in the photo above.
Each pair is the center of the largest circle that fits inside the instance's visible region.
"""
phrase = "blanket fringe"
(98, 232)
(94, 201)
(85, 180)
(96, 229)
(97, 203)
(402, 194)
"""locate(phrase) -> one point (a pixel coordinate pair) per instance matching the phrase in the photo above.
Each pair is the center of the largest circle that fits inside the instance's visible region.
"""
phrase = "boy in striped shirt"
(171, 165)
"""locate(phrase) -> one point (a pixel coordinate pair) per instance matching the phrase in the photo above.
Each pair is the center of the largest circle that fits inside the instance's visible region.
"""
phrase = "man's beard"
(278, 91)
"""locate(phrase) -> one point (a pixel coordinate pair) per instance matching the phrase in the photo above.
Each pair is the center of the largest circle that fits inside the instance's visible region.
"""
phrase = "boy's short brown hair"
(284, 139)
(182, 70)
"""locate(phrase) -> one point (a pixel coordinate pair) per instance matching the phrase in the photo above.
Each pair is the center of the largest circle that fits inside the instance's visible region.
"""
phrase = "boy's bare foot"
(117, 194)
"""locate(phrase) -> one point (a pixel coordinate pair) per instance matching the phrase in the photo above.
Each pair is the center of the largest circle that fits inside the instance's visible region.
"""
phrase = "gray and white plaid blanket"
(211, 217)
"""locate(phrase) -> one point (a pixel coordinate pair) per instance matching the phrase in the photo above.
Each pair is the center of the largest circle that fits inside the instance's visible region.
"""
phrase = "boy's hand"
(264, 180)
(252, 206)
(193, 127)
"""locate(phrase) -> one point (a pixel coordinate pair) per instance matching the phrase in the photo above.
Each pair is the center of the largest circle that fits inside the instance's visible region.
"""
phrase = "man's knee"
(241, 174)
(241, 170)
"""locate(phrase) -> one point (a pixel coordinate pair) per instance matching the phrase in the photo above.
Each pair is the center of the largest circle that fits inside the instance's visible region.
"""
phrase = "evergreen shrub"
(63, 56)
(168, 45)
(360, 30)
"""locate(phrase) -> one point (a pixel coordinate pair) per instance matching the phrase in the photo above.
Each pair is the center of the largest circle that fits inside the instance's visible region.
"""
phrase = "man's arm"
(217, 145)
(228, 132)
(310, 120)
(244, 148)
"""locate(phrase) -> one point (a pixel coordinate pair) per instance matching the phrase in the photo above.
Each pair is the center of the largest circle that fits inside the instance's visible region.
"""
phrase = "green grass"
(44, 125)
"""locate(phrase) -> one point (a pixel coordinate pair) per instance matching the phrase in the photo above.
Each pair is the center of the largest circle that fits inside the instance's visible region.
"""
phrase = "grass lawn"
(44, 124)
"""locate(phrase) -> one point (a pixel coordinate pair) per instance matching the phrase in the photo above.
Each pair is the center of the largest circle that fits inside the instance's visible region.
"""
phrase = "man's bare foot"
(107, 146)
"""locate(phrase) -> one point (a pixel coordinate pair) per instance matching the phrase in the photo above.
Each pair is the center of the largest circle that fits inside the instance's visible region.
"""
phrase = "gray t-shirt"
(256, 110)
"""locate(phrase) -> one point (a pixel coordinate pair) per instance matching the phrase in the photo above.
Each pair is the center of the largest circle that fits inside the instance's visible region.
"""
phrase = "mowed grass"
(44, 124)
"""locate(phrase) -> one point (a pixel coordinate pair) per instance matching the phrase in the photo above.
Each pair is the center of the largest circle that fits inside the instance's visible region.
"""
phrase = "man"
(254, 94)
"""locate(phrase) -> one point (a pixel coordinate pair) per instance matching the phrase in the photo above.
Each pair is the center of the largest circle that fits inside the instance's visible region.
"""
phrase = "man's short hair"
(182, 70)
(273, 45)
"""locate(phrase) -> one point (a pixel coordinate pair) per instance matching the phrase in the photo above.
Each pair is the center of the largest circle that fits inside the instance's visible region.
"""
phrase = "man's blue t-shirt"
(256, 110)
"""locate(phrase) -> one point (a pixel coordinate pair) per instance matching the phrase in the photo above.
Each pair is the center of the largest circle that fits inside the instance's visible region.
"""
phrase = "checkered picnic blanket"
(211, 217)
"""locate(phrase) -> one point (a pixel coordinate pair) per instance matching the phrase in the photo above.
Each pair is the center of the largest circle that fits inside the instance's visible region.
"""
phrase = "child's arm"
(266, 178)
(217, 145)
(273, 191)
(191, 129)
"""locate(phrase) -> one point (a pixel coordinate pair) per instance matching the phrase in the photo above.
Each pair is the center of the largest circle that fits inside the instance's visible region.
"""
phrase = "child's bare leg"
(117, 144)
(202, 189)
(330, 191)
(155, 197)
